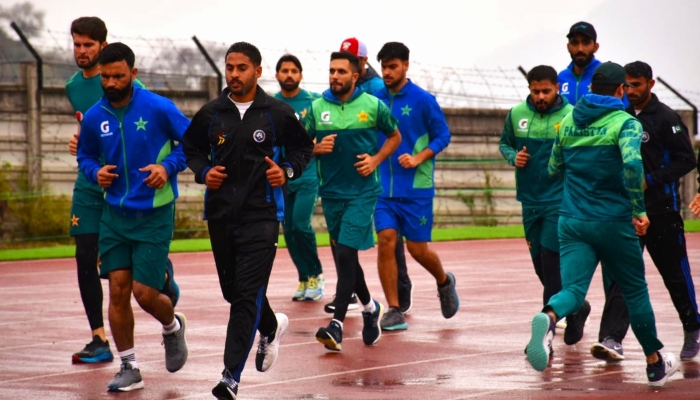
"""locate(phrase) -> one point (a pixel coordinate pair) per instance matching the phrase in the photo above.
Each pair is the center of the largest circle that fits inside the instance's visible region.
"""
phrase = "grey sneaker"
(176, 346)
(126, 380)
(691, 345)
(393, 320)
(609, 350)
(449, 300)
(268, 350)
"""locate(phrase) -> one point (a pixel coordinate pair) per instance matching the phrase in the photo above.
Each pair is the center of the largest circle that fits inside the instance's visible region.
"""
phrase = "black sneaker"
(659, 373)
(94, 352)
(406, 298)
(331, 336)
(352, 305)
(575, 323)
(609, 350)
(227, 388)
(171, 288)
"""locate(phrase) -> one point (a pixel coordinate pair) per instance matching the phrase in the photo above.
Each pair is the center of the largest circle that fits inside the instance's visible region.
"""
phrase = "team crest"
(645, 137)
(259, 136)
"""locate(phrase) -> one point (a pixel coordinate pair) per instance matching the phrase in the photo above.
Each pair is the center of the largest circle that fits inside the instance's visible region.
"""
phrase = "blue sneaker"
(94, 352)
(449, 300)
(540, 345)
(371, 332)
(171, 288)
(659, 373)
(331, 336)
(314, 290)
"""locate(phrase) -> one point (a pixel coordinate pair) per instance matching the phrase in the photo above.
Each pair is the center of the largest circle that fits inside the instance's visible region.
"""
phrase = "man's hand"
(215, 177)
(105, 176)
(521, 158)
(695, 205)
(157, 177)
(641, 224)
(326, 145)
(408, 161)
(73, 144)
(275, 174)
(366, 165)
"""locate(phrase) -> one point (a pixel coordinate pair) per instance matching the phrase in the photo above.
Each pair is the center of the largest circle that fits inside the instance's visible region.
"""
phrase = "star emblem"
(363, 116)
(557, 126)
(303, 113)
(141, 124)
(423, 220)
(406, 110)
(74, 220)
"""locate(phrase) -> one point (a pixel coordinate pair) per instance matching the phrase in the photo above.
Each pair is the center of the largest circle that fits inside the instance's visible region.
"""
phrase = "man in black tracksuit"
(668, 155)
(234, 145)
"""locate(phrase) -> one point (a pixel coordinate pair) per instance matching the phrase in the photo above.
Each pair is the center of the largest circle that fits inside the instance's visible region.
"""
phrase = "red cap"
(354, 46)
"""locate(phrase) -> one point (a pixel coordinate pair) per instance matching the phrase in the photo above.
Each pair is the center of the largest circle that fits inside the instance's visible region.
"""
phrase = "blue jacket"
(146, 134)
(573, 86)
(422, 124)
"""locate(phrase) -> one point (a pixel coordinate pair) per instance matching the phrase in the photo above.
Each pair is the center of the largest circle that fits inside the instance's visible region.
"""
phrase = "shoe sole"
(133, 386)
(331, 309)
(314, 298)
(106, 357)
(397, 327)
(662, 382)
(536, 350)
(221, 392)
(328, 342)
(183, 326)
(603, 353)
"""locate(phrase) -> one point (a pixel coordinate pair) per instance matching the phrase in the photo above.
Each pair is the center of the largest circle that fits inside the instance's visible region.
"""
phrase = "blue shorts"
(412, 218)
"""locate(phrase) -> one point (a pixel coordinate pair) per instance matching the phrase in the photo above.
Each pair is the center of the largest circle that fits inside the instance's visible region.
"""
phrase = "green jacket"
(597, 151)
(527, 127)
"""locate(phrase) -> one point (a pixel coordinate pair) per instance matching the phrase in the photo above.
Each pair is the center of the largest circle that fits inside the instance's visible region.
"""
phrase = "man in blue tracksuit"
(406, 203)
(134, 132)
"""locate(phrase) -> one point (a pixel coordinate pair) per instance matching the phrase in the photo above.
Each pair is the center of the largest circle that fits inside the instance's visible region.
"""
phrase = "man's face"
(640, 89)
(341, 77)
(241, 75)
(117, 80)
(544, 94)
(581, 48)
(289, 76)
(394, 73)
(86, 51)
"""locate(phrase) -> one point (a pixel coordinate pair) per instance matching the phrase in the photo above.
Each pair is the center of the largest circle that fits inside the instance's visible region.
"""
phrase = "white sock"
(338, 322)
(172, 327)
(129, 356)
(371, 306)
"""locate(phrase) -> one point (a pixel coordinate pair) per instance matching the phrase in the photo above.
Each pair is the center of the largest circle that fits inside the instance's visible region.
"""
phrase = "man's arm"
(507, 143)
(196, 147)
(629, 142)
(555, 168)
(176, 125)
(89, 150)
(682, 155)
(438, 131)
(297, 143)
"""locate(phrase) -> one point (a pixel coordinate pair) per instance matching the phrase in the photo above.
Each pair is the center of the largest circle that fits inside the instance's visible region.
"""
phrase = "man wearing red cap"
(369, 80)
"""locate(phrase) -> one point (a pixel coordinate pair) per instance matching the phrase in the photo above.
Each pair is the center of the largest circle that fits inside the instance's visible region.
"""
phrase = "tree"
(29, 19)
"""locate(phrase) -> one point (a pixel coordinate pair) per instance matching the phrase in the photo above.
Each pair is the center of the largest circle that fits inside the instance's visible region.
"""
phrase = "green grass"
(190, 245)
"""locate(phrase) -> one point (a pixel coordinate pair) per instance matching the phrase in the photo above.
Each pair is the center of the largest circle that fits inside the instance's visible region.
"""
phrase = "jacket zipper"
(126, 174)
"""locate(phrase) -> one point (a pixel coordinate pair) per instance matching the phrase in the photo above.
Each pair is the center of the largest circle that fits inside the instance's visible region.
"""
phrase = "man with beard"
(597, 154)
(128, 147)
(85, 89)
(668, 155)
(244, 146)
(575, 80)
(302, 193)
(526, 143)
(407, 176)
(346, 123)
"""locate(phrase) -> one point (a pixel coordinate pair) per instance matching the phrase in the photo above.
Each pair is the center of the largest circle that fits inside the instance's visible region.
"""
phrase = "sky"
(485, 34)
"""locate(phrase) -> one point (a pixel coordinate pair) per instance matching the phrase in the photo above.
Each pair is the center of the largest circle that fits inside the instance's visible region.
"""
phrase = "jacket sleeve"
(438, 130)
(682, 155)
(175, 124)
(507, 144)
(298, 146)
(89, 148)
(630, 141)
(556, 166)
(196, 147)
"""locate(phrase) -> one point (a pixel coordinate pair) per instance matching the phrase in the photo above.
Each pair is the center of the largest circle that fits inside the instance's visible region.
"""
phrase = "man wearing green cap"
(596, 142)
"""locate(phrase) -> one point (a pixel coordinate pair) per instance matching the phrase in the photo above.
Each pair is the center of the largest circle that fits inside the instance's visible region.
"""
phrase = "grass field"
(190, 245)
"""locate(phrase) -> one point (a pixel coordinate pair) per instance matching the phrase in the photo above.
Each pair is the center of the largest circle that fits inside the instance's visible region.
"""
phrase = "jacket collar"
(260, 100)
(649, 108)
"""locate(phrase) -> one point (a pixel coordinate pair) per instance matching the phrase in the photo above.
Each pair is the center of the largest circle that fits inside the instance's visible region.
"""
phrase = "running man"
(596, 152)
(407, 176)
(346, 123)
(302, 193)
(526, 143)
(127, 146)
(244, 146)
(667, 155)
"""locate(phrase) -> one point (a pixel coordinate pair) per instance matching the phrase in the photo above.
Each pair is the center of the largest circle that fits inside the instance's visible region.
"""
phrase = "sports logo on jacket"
(259, 136)
(645, 137)
(326, 117)
(222, 138)
(522, 124)
(565, 88)
(104, 127)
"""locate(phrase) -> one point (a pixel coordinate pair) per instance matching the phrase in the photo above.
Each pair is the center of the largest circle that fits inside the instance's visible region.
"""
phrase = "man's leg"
(614, 322)
(306, 247)
(405, 286)
(293, 241)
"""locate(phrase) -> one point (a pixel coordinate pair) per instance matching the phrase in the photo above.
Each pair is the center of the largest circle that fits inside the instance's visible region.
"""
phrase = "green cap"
(609, 73)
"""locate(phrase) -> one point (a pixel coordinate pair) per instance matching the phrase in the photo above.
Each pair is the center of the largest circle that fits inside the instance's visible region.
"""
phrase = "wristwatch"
(289, 171)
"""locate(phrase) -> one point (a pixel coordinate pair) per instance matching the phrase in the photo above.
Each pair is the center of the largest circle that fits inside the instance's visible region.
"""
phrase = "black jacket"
(667, 154)
(218, 136)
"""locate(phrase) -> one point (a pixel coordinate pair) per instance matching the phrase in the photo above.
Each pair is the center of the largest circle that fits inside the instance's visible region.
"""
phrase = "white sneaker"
(269, 350)
(659, 375)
